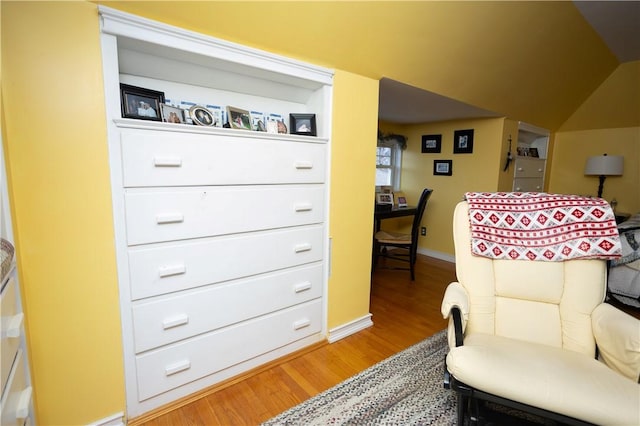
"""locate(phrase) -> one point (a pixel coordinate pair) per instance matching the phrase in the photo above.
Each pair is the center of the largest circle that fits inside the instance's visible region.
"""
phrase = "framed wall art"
(302, 124)
(140, 103)
(443, 167)
(431, 144)
(239, 118)
(463, 141)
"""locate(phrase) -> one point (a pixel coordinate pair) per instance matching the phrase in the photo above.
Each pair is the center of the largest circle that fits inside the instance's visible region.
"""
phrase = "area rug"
(405, 389)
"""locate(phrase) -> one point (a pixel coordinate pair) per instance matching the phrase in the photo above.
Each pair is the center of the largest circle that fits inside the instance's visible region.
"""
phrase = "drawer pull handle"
(304, 165)
(301, 248)
(15, 325)
(167, 161)
(169, 218)
(520, 169)
(540, 170)
(300, 287)
(304, 207)
(167, 271)
(301, 324)
(175, 321)
(24, 401)
(518, 189)
(177, 367)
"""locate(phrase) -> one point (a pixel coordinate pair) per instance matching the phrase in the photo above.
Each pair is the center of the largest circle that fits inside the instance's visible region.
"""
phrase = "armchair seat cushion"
(546, 377)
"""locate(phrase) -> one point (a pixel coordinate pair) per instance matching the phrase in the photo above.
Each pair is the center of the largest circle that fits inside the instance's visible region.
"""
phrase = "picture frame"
(443, 167)
(384, 198)
(302, 124)
(533, 152)
(140, 103)
(402, 201)
(239, 118)
(171, 114)
(431, 144)
(463, 141)
(201, 116)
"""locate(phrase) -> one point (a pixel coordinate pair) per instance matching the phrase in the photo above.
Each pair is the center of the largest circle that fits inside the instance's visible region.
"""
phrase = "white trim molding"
(437, 255)
(113, 420)
(352, 327)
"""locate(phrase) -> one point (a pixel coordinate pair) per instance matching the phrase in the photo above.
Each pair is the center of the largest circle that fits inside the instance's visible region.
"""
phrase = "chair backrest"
(417, 219)
(542, 302)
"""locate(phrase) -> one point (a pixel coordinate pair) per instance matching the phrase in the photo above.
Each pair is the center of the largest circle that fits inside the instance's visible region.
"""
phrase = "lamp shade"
(604, 165)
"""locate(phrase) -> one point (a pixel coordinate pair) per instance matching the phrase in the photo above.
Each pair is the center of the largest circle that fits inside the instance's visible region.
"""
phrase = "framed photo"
(463, 141)
(171, 114)
(239, 118)
(201, 116)
(402, 201)
(384, 198)
(431, 144)
(533, 152)
(302, 124)
(140, 103)
(443, 167)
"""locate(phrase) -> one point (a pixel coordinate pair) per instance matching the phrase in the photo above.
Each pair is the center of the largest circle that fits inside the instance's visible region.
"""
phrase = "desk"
(395, 211)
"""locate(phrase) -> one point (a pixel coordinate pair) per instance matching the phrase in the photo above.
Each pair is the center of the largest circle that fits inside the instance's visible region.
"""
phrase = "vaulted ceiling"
(529, 60)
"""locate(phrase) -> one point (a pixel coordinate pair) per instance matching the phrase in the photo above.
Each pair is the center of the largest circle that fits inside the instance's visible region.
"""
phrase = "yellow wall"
(478, 171)
(59, 173)
(570, 155)
(56, 149)
(355, 115)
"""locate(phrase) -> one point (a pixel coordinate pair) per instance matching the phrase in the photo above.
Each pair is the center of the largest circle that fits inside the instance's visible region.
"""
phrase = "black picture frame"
(302, 124)
(443, 167)
(463, 141)
(141, 103)
(431, 144)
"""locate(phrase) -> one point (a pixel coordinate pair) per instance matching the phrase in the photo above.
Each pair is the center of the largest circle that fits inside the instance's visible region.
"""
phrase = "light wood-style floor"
(404, 313)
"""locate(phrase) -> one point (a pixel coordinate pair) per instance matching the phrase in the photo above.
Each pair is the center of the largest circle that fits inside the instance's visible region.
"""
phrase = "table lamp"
(603, 166)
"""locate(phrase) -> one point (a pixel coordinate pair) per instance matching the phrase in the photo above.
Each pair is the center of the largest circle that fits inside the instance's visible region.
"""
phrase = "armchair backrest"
(543, 302)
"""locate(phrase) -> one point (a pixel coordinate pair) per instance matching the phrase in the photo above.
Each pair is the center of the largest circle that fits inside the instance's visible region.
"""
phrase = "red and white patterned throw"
(540, 226)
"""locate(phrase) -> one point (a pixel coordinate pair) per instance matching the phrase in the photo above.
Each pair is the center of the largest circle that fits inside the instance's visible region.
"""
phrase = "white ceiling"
(617, 23)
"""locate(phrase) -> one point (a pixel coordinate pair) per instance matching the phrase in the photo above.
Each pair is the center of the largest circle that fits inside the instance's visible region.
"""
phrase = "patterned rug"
(405, 389)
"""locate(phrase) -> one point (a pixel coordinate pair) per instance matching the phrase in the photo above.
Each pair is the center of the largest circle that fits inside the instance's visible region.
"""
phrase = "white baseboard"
(113, 420)
(437, 255)
(349, 328)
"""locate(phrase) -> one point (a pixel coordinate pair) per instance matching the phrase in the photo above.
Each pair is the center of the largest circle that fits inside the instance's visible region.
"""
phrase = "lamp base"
(601, 186)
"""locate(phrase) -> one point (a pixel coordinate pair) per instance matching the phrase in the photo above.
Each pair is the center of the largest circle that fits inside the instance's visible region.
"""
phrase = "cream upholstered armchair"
(536, 336)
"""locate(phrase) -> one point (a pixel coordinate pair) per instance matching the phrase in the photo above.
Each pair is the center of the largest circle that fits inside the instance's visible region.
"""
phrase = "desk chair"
(384, 240)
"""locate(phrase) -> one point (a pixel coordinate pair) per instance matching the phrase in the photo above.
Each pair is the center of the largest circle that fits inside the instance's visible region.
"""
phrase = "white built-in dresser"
(221, 235)
(16, 405)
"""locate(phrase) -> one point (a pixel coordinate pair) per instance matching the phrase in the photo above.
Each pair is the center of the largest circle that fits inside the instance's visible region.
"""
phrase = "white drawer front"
(181, 213)
(16, 399)
(527, 185)
(167, 368)
(177, 317)
(11, 325)
(159, 270)
(529, 168)
(156, 158)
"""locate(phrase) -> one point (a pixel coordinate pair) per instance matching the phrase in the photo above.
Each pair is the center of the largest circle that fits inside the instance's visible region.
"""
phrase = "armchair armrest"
(617, 335)
(455, 306)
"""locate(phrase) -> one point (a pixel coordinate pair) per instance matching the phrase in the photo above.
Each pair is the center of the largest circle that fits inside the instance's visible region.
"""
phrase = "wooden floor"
(404, 313)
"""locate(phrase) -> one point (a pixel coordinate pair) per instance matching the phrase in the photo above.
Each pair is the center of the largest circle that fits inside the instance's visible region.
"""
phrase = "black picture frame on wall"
(431, 144)
(463, 141)
(443, 167)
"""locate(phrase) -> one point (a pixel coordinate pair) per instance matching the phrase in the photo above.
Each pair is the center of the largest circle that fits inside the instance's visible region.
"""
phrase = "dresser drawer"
(181, 213)
(169, 268)
(11, 325)
(172, 366)
(156, 158)
(184, 315)
(528, 185)
(16, 399)
(529, 168)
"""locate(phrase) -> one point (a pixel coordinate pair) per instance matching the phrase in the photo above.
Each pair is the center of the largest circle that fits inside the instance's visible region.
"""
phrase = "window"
(388, 163)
